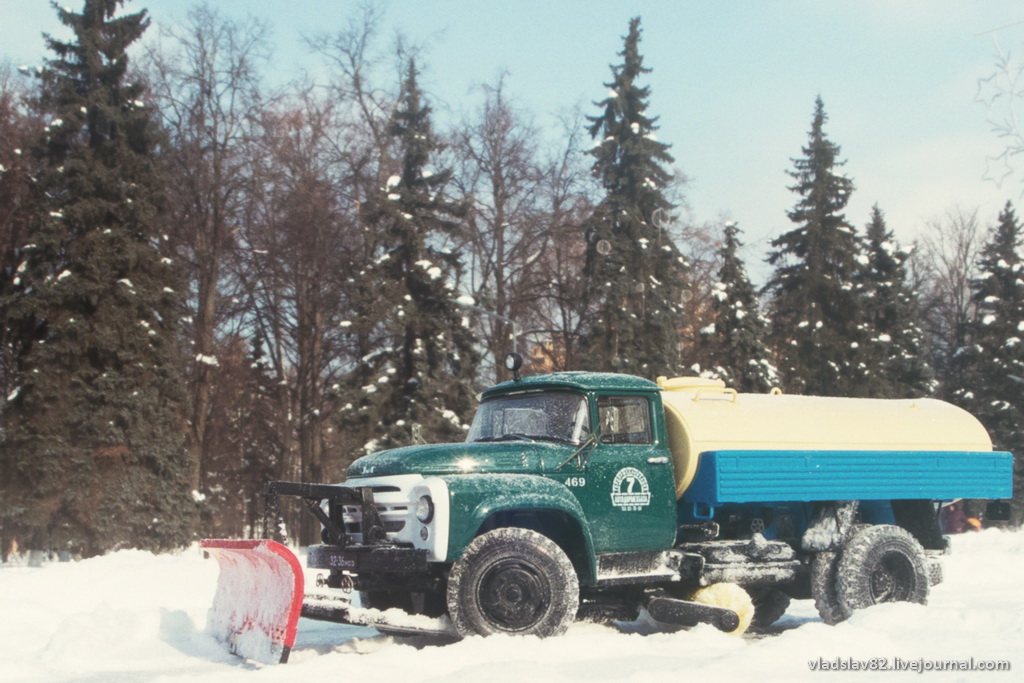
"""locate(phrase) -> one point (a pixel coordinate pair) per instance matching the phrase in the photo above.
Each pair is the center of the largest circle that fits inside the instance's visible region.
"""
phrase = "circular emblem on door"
(630, 490)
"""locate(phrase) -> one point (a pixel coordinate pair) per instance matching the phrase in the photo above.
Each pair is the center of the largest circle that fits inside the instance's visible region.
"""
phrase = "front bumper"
(358, 559)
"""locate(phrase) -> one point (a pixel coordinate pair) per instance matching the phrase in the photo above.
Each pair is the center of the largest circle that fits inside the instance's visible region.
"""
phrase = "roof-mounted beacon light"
(513, 362)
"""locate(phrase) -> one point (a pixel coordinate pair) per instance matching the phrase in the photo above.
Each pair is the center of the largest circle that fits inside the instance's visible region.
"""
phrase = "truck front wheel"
(882, 563)
(514, 581)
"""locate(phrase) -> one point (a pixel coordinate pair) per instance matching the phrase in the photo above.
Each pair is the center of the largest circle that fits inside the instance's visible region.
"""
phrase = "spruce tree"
(994, 376)
(18, 130)
(635, 272)
(735, 342)
(95, 457)
(896, 359)
(816, 326)
(418, 385)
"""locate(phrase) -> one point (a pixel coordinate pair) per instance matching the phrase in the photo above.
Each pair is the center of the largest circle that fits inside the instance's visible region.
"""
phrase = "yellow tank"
(704, 415)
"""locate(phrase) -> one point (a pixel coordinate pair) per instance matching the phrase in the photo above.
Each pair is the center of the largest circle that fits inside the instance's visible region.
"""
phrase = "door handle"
(660, 460)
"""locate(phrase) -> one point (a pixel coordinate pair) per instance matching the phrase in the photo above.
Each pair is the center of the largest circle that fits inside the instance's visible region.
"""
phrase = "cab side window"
(624, 419)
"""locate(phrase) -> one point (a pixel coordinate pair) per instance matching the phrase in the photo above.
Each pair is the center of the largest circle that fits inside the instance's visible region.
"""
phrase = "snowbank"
(133, 616)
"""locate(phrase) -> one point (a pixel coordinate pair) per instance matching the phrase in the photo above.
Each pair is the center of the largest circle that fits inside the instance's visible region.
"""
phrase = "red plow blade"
(259, 598)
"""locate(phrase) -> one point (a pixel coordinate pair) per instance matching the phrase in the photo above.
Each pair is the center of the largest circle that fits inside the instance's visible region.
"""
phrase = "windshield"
(545, 416)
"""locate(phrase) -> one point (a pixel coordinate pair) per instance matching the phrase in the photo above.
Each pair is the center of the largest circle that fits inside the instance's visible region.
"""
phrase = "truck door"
(630, 487)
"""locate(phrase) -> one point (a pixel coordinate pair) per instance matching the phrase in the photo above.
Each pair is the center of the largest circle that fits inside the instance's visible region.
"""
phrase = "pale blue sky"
(733, 82)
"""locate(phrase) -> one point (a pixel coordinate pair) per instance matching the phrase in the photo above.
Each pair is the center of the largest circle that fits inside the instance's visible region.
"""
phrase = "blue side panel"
(777, 476)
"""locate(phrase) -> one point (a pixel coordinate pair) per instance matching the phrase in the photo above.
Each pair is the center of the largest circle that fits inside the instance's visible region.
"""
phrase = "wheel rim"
(513, 595)
(893, 578)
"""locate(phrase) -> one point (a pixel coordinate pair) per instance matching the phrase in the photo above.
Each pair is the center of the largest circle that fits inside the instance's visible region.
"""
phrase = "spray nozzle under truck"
(593, 495)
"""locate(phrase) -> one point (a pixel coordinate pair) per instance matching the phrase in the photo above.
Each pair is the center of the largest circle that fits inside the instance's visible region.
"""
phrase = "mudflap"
(259, 598)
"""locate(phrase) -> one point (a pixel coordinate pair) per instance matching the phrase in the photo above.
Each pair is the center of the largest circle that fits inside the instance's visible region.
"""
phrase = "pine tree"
(816, 326)
(735, 342)
(634, 268)
(897, 365)
(95, 457)
(418, 385)
(994, 390)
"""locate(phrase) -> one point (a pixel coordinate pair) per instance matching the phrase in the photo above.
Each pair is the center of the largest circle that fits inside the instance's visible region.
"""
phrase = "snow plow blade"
(259, 598)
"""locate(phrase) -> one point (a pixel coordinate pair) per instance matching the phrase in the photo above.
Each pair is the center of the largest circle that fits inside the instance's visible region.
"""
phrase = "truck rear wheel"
(514, 581)
(882, 563)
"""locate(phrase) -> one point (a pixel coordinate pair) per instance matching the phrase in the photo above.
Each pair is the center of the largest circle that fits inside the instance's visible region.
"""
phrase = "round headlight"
(425, 509)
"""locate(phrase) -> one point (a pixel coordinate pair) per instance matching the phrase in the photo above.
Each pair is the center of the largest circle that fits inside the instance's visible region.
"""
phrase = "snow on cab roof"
(587, 381)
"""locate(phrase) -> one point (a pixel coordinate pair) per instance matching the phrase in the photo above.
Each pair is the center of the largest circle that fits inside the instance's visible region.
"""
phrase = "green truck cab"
(594, 495)
(581, 449)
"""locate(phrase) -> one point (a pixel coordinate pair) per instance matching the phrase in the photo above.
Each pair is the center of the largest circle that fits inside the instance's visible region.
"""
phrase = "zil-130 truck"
(581, 495)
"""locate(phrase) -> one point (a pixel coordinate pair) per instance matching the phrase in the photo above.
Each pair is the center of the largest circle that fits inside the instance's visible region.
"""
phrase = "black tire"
(513, 581)
(769, 606)
(882, 563)
(824, 568)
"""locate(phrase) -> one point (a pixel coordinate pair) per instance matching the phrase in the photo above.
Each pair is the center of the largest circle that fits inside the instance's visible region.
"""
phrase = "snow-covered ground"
(133, 616)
